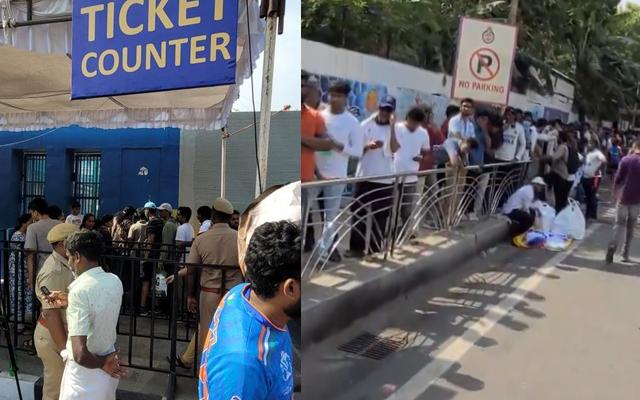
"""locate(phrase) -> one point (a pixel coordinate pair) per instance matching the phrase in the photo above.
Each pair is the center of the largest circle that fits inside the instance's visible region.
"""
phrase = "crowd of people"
(80, 300)
(567, 157)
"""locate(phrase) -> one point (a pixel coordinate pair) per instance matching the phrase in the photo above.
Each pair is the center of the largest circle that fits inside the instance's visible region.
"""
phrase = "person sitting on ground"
(519, 206)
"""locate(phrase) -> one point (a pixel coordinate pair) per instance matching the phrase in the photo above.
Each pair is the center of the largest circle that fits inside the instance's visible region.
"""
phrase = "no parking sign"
(484, 59)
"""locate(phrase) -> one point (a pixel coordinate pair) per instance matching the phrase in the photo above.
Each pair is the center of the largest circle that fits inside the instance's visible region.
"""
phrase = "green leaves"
(587, 40)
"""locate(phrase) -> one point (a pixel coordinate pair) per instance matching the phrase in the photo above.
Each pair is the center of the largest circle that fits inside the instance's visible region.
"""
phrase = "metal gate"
(33, 177)
(86, 182)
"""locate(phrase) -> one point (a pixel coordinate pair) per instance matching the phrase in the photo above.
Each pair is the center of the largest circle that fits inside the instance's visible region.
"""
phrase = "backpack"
(573, 162)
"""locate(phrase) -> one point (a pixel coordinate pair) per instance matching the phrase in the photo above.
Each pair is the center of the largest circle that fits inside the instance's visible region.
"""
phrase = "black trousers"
(378, 196)
(591, 197)
(521, 221)
(561, 189)
(502, 173)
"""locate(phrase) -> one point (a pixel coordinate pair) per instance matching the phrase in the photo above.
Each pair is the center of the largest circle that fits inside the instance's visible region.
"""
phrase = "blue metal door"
(140, 176)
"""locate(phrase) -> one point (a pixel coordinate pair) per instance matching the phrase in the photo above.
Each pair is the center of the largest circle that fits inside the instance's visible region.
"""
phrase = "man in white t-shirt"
(343, 128)
(185, 232)
(75, 218)
(374, 195)
(519, 206)
(413, 141)
(531, 136)
(461, 126)
(594, 162)
(203, 214)
(514, 144)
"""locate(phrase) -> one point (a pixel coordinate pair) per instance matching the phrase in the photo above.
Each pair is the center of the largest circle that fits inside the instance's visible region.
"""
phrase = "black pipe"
(53, 20)
(29, 10)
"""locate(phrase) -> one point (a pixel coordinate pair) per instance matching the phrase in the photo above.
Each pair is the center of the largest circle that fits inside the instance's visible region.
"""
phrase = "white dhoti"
(80, 383)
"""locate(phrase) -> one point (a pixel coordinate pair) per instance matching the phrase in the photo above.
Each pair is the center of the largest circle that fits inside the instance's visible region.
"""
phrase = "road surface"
(510, 324)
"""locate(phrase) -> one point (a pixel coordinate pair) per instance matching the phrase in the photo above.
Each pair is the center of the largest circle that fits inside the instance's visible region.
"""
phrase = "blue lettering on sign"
(135, 46)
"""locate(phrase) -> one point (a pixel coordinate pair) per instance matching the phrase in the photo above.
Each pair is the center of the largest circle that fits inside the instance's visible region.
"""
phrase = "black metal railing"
(145, 341)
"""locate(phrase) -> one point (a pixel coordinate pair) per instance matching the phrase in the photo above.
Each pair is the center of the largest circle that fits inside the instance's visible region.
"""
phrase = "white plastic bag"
(545, 214)
(570, 221)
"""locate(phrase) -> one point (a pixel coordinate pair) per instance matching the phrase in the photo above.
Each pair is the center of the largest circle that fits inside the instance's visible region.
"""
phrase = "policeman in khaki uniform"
(50, 336)
(217, 246)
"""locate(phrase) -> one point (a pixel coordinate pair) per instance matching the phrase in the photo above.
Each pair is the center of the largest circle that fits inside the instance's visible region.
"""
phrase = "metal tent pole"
(265, 101)
(223, 162)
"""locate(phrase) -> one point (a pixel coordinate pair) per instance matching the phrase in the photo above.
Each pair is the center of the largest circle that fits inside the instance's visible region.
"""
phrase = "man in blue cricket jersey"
(247, 353)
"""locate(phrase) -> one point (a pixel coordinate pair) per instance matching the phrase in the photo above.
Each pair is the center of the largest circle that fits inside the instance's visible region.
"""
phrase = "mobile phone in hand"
(45, 291)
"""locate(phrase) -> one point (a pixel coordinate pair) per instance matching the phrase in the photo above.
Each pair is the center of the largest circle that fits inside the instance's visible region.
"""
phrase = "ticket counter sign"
(137, 46)
(484, 60)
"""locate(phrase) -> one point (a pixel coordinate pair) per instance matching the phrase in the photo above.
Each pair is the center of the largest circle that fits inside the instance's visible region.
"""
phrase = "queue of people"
(150, 232)
(80, 300)
(385, 144)
(570, 158)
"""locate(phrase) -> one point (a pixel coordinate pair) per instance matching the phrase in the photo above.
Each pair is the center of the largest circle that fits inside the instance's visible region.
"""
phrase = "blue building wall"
(123, 152)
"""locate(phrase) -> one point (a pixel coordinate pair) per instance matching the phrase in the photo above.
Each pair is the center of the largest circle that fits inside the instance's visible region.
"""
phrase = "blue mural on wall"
(124, 154)
(364, 98)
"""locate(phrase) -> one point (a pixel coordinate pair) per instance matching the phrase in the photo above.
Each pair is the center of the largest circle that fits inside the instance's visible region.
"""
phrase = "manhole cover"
(371, 346)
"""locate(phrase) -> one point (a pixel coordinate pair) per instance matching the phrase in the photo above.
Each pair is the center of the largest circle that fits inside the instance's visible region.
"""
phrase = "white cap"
(283, 203)
(538, 181)
(166, 207)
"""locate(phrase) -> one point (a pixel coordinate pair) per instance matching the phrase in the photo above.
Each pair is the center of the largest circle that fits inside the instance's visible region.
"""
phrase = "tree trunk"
(343, 31)
(389, 37)
(581, 114)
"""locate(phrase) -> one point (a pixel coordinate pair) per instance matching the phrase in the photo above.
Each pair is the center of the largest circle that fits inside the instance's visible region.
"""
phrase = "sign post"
(265, 102)
(486, 50)
(138, 46)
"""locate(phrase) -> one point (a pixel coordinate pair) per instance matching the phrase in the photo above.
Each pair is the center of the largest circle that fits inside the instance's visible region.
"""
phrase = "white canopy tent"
(35, 79)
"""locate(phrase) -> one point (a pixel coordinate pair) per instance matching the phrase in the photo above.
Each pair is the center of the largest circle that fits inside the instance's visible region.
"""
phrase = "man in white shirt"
(461, 126)
(594, 162)
(343, 128)
(75, 218)
(204, 217)
(185, 232)
(413, 141)
(531, 136)
(519, 206)
(374, 195)
(92, 369)
(514, 142)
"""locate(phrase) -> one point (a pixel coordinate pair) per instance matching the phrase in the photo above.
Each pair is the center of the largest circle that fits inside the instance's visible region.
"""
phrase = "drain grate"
(371, 346)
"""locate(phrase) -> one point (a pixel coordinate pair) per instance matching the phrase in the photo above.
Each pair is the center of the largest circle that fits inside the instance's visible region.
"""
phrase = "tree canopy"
(590, 41)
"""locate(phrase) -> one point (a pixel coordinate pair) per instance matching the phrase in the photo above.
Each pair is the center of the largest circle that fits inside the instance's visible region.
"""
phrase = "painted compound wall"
(373, 77)
(200, 160)
(123, 153)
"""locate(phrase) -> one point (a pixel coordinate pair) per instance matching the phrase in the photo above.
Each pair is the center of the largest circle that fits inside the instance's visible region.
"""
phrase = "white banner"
(484, 59)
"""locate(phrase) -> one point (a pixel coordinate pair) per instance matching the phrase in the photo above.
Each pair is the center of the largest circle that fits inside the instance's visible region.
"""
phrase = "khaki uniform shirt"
(219, 246)
(55, 275)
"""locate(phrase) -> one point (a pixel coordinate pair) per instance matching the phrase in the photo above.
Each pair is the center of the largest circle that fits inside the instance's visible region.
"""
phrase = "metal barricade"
(145, 341)
(374, 215)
